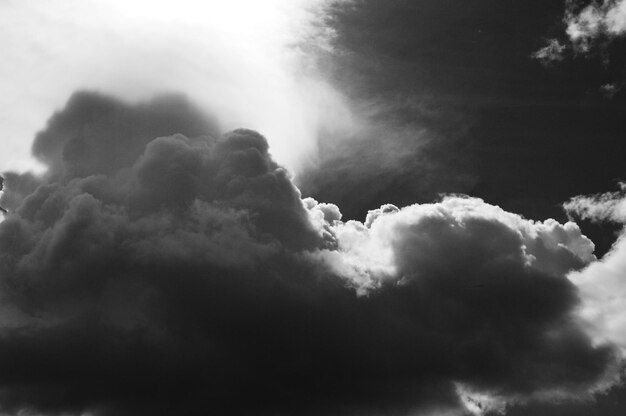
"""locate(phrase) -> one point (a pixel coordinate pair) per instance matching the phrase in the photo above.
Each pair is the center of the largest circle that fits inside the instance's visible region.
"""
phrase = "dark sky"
(163, 266)
(500, 125)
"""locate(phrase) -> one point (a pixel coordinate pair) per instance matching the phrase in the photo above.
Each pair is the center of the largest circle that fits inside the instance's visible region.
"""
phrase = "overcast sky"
(313, 207)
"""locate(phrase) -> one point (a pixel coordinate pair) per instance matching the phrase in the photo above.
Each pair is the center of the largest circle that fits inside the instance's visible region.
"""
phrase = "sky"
(313, 207)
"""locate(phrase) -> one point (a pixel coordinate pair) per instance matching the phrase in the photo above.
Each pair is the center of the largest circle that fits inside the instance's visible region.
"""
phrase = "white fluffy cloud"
(605, 18)
(602, 288)
(457, 250)
(365, 251)
(603, 283)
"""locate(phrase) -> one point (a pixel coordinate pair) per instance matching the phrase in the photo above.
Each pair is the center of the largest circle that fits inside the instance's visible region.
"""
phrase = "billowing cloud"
(159, 268)
(603, 284)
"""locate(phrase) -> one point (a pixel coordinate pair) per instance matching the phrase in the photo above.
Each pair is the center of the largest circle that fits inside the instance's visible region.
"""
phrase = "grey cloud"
(552, 52)
(188, 276)
(99, 134)
(589, 25)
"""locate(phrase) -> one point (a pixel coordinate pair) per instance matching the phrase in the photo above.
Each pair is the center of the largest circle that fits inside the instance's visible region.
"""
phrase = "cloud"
(552, 52)
(610, 90)
(158, 268)
(609, 206)
(601, 284)
(588, 24)
(97, 134)
(242, 60)
(606, 18)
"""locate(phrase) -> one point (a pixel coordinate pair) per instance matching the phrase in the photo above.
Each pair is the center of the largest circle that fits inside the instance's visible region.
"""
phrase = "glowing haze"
(240, 60)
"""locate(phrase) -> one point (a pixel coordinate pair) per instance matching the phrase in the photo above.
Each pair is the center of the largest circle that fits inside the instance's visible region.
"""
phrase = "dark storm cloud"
(184, 274)
(479, 290)
(100, 135)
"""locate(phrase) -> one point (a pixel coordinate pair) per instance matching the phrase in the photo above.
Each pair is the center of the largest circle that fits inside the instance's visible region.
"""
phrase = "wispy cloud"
(552, 52)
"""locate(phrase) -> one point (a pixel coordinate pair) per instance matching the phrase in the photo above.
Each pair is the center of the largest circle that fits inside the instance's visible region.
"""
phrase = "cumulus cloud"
(160, 268)
(602, 284)
(596, 19)
(587, 24)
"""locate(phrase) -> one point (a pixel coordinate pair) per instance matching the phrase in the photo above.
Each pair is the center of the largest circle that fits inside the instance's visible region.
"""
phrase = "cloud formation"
(159, 268)
(588, 25)
(602, 284)
(596, 19)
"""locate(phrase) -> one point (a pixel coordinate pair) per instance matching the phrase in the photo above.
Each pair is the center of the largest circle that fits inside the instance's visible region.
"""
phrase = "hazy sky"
(355, 207)
(242, 60)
